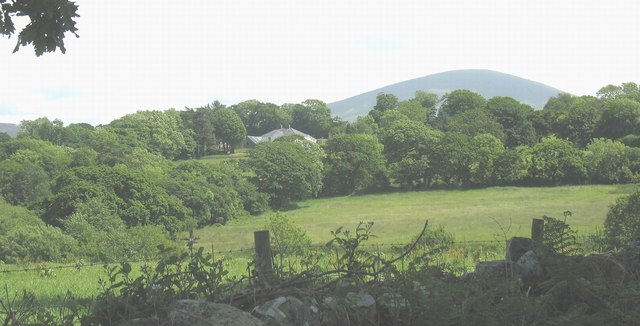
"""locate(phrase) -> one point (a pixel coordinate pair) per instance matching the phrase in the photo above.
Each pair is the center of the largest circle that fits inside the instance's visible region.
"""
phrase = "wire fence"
(80, 265)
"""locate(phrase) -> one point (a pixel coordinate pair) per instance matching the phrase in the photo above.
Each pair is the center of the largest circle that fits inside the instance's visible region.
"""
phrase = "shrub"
(38, 243)
(287, 239)
(622, 224)
(107, 239)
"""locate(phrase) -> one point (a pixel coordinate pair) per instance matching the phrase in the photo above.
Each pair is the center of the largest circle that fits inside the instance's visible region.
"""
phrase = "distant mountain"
(487, 83)
(9, 128)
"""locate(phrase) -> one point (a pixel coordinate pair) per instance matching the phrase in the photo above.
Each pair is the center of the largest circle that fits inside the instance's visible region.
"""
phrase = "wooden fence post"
(264, 255)
(537, 231)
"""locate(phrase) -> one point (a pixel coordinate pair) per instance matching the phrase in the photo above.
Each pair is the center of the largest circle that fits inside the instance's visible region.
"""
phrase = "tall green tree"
(230, 130)
(134, 196)
(77, 135)
(53, 159)
(476, 122)
(608, 161)
(260, 118)
(354, 162)
(364, 124)
(577, 123)
(409, 148)
(285, 171)
(459, 101)
(414, 111)
(511, 166)
(159, 132)
(312, 117)
(514, 117)
(555, 161)
(22, 181)
(544, 121)
(384, 103)
(43, 129)
(620, 117)
(201, 122)
(452, 159)
(628, 90)
(486, 149)
(428, 101)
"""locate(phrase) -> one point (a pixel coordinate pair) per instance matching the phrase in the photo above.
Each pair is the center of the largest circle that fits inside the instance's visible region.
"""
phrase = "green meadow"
(471, 215)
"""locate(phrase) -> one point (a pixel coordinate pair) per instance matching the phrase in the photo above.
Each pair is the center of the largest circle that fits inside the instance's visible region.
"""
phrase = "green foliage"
(285, 171)
(48, 23)
(511, 166)
(431, 248)
(288, 241)
(160, 133)
(577, 122)
(514, 117)
(23, 182)
(42, 129)
(555, 161)
(260, 118)
(558, 237)
(105, 238)
(622, 225)
(475, 122)
(215, 193)
(409, 148)
(413, 110)
(131, 195)
(200, 122)
(27, 310)
(312, 117)
(351, 259)
(33, 240)
(77, 135)
(459, 101)
(452, 159)
(228, 128)
(628, 90)
(385, 101)
(53, 159)
(608, 161)
(176, 276)
(486, 150)
(354, 163)
(620, 117)
(4, 137)
(24, 237)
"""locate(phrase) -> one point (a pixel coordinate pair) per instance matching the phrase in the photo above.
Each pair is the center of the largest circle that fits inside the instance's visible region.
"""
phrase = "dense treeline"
(92, 189)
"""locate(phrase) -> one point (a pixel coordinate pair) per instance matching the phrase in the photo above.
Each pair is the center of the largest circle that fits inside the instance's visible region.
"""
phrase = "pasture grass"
(471, 215)
(240, 153)
(82, 282)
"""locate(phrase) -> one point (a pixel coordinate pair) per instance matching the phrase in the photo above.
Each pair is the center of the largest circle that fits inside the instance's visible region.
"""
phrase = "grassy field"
(469, 214)
(240, 153)
(398, 217)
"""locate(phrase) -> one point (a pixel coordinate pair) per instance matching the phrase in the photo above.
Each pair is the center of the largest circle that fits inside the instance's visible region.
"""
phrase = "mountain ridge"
(10, 128)
(488, 83)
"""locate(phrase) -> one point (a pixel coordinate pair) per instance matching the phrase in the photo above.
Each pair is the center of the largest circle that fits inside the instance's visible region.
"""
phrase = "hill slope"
(487, 83)
(10, 128)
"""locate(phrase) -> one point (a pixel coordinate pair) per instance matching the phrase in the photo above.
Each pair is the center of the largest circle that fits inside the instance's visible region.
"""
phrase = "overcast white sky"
(144, 55)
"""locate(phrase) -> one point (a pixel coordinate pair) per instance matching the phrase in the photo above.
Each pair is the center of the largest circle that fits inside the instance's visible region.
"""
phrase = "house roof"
(277, 133)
